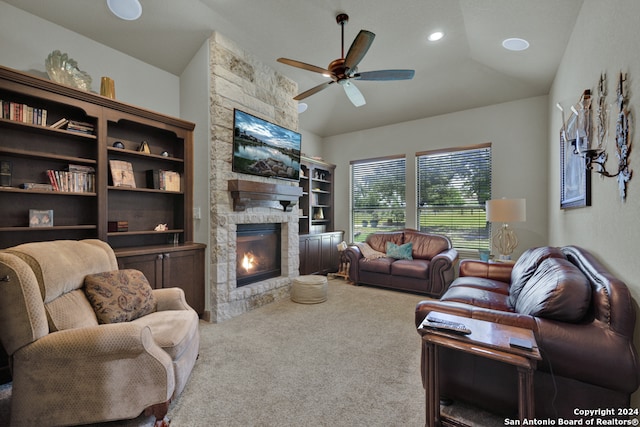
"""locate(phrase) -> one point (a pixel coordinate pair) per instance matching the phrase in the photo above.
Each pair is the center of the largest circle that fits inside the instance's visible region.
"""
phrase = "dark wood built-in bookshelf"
(86, 142)
(318, 238)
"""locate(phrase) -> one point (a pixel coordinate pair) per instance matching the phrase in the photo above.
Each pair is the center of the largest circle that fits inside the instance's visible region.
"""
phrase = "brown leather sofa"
(583, 319)
(430, 270)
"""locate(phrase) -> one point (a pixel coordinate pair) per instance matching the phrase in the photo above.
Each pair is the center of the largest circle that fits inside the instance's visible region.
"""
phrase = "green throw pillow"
(399, 252)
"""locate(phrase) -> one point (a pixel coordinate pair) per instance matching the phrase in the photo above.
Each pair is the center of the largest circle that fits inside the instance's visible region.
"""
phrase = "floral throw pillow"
(120, 295)
(399, 251)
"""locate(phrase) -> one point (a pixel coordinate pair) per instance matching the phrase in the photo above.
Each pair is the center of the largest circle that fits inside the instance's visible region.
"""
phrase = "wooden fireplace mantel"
(252, 193)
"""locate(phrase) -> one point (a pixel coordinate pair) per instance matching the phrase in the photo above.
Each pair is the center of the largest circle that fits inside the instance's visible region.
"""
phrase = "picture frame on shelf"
(40, 218)
(122, 174)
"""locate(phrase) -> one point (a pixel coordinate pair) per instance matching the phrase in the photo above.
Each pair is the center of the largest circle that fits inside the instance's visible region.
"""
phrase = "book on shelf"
(36, 186)
(75, 179)
(5, 173)
(19, 112)
(163, 180)
(81, 127)
(122, 174)
(60, 123)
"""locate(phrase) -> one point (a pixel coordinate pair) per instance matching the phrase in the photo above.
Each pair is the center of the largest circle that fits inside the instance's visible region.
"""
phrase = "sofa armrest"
(171, 299)
(442, 271)
(353, 255)
(466, 310)
(500, 271)
(592, 353)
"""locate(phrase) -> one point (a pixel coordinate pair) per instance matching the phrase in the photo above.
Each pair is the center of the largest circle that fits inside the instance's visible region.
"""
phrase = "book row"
(77, 179)
(23, 113)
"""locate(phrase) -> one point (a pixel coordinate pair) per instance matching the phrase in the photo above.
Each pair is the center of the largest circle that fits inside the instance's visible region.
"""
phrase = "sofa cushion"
(478, 298)
(69, 311)
(120, 295)
(481, 283)
(399, 251)
(526, 266)
(417, 268)
(426, 246)
(557, 290)
(379, 265)
(378, 241)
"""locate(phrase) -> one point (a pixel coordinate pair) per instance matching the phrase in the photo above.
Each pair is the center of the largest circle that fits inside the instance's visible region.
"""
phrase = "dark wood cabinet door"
(166, 267)
(310, 254)
(149, 264)
(185, 269)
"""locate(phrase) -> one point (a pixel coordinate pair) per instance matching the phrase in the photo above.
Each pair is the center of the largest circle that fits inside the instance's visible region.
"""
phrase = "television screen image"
(265, 149)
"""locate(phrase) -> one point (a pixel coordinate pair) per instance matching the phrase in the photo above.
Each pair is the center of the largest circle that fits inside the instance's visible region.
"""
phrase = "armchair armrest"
(486, 269)
(171, 299)
(104, 341)
(118, 362)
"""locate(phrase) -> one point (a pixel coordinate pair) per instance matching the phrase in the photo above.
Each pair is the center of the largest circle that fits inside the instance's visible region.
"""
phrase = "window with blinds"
(378, 199)
(453, 186)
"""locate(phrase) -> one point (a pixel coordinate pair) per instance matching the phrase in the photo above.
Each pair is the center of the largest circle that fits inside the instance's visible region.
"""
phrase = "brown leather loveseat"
(583, 320)
(427, 265)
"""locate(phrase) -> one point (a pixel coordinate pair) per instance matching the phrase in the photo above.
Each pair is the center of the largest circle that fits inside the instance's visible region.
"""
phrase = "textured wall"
(238, 80)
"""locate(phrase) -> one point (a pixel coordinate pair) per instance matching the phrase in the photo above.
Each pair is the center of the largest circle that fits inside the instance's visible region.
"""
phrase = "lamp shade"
(506, 210)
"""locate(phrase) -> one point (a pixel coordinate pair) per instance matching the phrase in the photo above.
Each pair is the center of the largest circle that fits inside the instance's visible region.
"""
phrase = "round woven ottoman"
(310, 289)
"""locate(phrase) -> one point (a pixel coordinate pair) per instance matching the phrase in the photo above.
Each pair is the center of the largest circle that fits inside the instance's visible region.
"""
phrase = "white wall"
(194, 106)
(311, 144)
(605, 39)
(517, 131)
(26, 41)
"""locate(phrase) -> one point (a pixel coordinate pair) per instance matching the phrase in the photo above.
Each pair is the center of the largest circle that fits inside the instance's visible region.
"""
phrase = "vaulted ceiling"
(468, 68)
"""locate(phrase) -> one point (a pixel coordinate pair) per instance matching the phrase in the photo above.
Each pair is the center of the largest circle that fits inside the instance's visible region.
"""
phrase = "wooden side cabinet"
(165, 267)
(319, 253)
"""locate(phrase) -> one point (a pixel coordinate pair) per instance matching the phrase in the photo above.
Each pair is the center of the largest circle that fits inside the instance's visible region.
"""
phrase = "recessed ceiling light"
(435, 36)
(129, 10)
(515, 43)
(302, 107)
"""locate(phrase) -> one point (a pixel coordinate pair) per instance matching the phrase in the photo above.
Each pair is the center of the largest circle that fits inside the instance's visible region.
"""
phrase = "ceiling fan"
(344, 69)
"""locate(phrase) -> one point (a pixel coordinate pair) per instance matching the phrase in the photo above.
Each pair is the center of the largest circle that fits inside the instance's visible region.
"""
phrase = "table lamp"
(506, 211)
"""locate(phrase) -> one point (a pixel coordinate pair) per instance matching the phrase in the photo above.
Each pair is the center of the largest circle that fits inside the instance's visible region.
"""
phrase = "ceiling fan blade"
(358, 49)
(385, 75)
(313, 90)
(304, 66)
(353, 93)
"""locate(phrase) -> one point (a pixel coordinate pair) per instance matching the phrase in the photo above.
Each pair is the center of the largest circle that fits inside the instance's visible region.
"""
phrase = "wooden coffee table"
(487, 339)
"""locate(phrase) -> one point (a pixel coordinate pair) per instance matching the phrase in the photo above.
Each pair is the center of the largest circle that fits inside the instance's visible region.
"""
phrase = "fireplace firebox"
(257, 253)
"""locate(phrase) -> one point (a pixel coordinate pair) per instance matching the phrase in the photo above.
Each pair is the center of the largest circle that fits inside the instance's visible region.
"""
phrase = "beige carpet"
(353, 360)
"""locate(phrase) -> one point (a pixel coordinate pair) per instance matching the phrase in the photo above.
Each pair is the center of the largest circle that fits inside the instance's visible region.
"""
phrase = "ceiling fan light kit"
(345, 68)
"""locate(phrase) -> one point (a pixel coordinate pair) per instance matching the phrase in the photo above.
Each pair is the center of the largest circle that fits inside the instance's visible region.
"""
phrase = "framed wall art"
(575, 178)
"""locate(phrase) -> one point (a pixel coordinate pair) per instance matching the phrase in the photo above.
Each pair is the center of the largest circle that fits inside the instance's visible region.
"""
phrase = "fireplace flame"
(248, 261)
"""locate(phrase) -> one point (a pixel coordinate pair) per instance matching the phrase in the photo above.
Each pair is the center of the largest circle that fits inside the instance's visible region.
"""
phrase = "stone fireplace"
(238, 202)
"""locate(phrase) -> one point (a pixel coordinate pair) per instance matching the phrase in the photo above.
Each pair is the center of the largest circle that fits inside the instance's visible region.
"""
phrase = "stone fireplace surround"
(238, 80)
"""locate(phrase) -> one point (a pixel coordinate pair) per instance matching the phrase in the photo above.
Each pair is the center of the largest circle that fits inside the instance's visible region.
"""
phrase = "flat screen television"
(265, 149)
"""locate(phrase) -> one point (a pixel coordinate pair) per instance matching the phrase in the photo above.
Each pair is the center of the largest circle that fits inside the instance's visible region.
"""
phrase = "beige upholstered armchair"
(69, 365)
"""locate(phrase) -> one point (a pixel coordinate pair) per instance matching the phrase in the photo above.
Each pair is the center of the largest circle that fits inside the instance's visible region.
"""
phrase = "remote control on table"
(445, 325)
